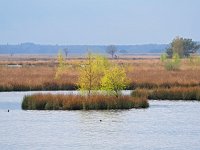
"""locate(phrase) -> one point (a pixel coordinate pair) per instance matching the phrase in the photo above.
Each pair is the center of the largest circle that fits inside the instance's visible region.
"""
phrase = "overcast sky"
(98, 21)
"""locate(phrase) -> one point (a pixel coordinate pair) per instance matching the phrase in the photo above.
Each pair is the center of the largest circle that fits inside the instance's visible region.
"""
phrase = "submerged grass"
(78, 102)
(177, 93)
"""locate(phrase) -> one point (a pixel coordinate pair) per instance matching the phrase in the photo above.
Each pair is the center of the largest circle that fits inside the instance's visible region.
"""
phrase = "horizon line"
(52, 44)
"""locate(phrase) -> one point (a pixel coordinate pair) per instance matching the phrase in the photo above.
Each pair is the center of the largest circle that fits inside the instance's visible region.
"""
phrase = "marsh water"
(166, 125)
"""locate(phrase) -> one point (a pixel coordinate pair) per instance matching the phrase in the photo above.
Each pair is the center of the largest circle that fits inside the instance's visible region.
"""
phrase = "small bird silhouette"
(8, 110)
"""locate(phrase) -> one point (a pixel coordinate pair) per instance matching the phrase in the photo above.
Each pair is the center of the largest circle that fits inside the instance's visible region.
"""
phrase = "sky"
(91, 22)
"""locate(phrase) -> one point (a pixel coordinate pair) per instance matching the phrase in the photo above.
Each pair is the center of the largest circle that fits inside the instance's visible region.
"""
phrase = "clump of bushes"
(80, 102)
(170, 94)
(171, 64)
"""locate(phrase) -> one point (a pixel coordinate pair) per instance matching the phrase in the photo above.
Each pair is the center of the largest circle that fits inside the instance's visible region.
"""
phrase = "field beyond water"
(38, 73)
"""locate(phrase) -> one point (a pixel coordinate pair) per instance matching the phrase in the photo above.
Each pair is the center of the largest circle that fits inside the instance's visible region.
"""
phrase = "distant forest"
(31, 48)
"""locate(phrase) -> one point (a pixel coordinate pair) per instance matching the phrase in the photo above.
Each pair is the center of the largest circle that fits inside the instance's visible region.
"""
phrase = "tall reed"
(78, 102)
(177, 93)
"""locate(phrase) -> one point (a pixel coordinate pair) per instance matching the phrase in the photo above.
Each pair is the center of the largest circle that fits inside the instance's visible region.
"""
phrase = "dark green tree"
(183, 47)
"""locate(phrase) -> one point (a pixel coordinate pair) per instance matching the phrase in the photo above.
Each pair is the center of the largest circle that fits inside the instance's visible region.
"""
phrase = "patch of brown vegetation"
(142, 73)
(78, 102)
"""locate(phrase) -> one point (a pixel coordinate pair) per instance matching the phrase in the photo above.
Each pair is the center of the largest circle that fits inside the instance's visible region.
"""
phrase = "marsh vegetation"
(81, 102)
(144, 73)
(174, 76)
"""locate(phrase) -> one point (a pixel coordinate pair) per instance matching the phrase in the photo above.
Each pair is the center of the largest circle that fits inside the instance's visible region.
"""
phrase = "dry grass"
(152, 74)
(176, 93)
(35, 78)
(78, 102)
(142, 73)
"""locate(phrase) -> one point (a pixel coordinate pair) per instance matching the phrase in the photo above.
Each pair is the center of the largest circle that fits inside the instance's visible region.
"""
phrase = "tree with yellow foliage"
(114, 80)
(98, 74)
(91, 73)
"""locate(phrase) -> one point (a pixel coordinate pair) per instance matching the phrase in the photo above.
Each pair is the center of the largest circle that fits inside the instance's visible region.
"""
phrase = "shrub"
(173, 64)
(163, 57)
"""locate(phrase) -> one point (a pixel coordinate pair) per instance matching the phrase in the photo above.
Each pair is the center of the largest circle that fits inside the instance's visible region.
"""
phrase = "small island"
(100, 82)
(79, 102)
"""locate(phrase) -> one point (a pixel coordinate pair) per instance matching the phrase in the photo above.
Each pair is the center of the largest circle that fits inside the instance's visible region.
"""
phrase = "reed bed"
(148, 73)
(176, 93)
(35, 78)
(78, 102)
